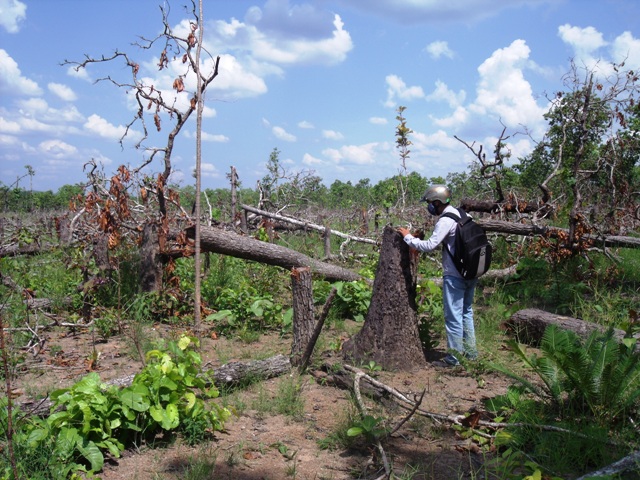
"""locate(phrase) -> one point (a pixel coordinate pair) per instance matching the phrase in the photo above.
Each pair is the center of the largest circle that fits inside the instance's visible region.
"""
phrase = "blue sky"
(320, 80)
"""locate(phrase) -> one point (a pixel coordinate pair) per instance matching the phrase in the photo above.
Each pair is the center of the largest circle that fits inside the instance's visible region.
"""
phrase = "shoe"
(447, 361)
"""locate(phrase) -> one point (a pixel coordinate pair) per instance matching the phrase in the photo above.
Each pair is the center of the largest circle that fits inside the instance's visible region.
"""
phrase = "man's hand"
(403, 231)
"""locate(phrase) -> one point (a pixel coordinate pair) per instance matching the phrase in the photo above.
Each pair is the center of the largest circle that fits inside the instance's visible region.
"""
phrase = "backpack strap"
(459, 221)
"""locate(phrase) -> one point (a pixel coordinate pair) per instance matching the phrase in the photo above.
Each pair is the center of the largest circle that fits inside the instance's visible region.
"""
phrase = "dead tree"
(528, 325)
(389, 335)
(217, 240)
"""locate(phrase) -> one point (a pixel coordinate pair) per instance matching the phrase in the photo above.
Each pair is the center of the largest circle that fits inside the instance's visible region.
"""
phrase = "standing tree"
(588, 158)
(179, 51)
(402, 144)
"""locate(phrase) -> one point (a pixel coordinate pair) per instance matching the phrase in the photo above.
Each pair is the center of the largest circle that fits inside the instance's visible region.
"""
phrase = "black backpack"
(472, 255)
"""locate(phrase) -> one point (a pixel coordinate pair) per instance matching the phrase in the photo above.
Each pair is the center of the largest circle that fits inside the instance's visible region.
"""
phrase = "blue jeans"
(457, 294)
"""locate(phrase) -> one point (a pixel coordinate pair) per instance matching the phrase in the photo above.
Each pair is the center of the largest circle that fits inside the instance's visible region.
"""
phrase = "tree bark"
(389, 335)
(610, 241)
(528, 326)
(228, 243)
(303, 312)
(151, 265)
(306, 224)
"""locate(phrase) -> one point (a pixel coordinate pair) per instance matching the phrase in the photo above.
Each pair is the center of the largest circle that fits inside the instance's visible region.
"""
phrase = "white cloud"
(459, 117)
(442, 93)
(353, 154)
(12, 12)
(585, 42)
(305, 124)
(436, 12)
(99, 126)
(240, 80)
(310, 160)
(39, 109)
(62, 91)
(80, 73)
(503, 94)
(397, 89)
(439, 49)
(57, 149)
(378, 121)
(11, 79)
(7, 126)
(332, 135)
(503, 91)
(208, 137)
(286, 49)
(626, 49)
(209, 170)
(281, 134)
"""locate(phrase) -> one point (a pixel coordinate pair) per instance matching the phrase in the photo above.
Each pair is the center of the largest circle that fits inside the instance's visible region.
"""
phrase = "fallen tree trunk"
(610, 241)
(229, 243)
(528, 326)
(308, 225)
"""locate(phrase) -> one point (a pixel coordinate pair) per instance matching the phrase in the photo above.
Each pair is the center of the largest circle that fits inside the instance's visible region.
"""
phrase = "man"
(456, 291)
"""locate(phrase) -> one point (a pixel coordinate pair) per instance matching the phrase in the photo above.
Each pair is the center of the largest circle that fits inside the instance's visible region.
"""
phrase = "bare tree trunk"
(327, 241)
(389, 335)
(150, 264)
(229, 243)
(303, 312)
(234, 193)
(528, 325)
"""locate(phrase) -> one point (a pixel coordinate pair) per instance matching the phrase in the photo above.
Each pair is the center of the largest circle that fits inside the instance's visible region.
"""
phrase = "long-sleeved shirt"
(443, 234)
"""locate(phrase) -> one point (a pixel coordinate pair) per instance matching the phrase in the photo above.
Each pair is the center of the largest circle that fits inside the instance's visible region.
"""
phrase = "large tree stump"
(389, 335)
(303, 312)
(528, 326)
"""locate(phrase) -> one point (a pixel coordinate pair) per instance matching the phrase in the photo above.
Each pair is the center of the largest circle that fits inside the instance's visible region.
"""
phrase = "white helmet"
(437, 192)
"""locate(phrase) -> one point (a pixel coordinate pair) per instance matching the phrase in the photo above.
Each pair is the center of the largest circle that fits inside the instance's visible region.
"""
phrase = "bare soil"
(259, 446)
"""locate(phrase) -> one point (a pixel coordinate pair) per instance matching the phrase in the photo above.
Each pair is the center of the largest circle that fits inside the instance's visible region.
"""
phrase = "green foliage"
(352, 299)
(91, 418)
(600, 376)
(588, 387)
(370, 427)
(430, 313)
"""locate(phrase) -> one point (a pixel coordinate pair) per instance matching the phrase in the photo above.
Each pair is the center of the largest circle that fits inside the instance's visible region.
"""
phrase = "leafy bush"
(586, 389)
(90, 418)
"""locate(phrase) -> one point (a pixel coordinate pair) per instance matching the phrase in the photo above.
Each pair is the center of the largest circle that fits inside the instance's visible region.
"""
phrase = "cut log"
(303, 312)
(389, 335)
(528, 326)
(229, 243)
(609, 241)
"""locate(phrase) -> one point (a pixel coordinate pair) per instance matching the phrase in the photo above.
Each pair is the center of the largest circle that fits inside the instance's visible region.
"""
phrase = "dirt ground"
(258, 446)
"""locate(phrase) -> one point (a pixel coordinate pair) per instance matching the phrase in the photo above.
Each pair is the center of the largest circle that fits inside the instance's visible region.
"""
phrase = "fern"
(598, 376)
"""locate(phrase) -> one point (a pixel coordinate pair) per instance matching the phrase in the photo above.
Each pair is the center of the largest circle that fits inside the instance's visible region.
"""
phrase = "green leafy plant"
(369, 426)
(91, 418)
(372, 367)
(352, 299)
(601, 374)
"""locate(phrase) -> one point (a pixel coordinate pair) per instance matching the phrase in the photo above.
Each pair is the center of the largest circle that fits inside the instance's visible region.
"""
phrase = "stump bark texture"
(389, 335)
(303, 312)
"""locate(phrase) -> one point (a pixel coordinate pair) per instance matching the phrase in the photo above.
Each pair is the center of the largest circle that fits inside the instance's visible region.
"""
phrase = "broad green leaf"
(157, 413)
(191, 400)
(184, 342)
(136, 398)
(92, 453)
(172, 417)
(355, 431)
